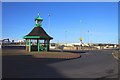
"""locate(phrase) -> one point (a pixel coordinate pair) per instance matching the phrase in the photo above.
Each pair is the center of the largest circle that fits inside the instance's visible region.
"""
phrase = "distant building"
(12, 41)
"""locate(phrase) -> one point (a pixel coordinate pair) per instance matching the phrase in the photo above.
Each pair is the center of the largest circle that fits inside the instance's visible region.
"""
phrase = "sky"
(95, 22)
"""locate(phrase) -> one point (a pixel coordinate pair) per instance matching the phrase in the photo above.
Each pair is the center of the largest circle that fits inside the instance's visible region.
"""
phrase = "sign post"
(81, 42)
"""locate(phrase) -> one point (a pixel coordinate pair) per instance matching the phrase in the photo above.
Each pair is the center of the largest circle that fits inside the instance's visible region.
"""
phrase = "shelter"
(37, 34)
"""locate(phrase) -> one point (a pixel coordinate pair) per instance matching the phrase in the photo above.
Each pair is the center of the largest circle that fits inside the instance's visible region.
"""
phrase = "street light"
(66, 37)
(80, 29)
(49, 22)
(89, 37)
(80, 33)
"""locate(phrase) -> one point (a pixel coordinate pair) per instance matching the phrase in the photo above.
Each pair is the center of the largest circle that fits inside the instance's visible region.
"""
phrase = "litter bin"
(62, 47)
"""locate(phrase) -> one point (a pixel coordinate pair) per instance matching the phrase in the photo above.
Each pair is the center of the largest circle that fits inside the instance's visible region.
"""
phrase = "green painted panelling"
(27, 42)
(31, 37)
(38, 25)
(38, 46)
(39, 18)
(29, 45)
(47, 47)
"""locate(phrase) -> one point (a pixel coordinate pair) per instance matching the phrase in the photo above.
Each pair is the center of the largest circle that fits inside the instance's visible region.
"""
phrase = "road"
(92, 64)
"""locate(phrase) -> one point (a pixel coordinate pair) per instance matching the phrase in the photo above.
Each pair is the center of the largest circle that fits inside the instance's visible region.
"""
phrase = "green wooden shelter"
(37, 34)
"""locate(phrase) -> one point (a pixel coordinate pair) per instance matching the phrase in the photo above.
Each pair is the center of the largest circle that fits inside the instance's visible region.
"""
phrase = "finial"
(38, 14)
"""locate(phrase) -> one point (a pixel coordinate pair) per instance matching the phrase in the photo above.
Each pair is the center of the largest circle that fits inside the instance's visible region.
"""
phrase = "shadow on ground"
(56, 50)
(28, 67)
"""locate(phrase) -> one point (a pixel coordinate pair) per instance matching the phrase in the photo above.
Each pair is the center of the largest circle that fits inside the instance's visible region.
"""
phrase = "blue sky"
(68, 22)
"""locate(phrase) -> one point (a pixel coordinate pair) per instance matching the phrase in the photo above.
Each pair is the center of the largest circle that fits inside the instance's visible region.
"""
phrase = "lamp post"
(49, 15)
(80, 34)
(89, 37)
(66, 37)
(80, 29)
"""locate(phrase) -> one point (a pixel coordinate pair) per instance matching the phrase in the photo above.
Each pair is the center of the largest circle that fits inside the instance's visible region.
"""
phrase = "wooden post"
(26, 44)
(29, 45)
(44, 43)
(47, 45)
(38, 43)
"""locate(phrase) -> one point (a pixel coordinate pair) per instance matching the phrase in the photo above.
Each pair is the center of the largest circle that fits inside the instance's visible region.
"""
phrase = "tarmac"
(56, 54)
(95, 64)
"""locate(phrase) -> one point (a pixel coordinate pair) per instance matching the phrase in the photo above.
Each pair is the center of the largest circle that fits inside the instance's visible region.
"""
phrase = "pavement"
(116, 54)
(56, 54)
(92, 64)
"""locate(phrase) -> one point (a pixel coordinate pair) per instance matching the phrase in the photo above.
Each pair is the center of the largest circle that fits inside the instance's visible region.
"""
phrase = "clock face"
(39, 22)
